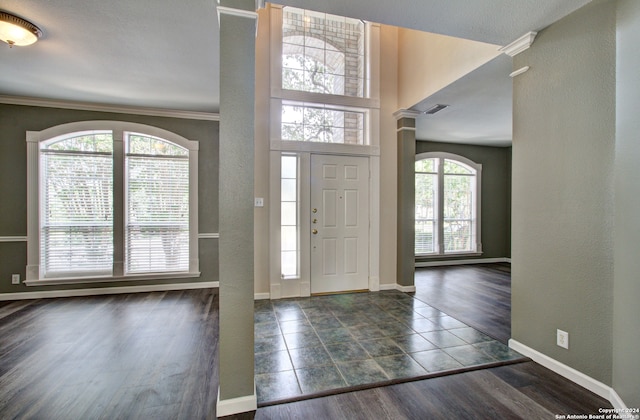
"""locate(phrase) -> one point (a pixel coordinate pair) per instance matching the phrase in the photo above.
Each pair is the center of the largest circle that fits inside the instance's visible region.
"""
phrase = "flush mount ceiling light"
(17, 31)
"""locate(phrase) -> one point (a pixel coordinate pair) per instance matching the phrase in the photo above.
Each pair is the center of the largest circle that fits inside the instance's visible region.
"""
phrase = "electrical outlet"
(259, 202)
(563, 339)
(15, 279)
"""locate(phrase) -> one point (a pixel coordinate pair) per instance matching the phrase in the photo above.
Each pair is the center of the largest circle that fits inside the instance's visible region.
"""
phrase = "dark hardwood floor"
(139, 356)
(521, 391)
(478, 295)
(155, 356)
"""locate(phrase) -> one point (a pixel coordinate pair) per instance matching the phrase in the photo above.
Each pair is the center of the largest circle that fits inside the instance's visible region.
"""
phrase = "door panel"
(340, 223)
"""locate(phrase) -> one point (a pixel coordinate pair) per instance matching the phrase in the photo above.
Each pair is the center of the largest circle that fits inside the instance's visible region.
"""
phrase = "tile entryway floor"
(305, 346)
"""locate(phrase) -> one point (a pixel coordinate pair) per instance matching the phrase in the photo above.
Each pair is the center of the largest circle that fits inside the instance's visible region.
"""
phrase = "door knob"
(314, 231)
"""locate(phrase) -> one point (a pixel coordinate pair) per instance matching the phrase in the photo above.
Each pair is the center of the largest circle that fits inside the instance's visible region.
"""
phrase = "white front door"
(339, 220)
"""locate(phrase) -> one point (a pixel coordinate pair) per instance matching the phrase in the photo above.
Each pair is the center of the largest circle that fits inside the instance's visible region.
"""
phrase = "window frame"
(119, 130)
(368, 105)
(439, 250)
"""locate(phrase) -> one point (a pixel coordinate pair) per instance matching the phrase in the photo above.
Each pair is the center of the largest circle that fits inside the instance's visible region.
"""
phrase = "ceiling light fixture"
(17, 31)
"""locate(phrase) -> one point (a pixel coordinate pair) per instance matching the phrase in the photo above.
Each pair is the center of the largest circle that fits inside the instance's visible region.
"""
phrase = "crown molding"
(222, 10)
(519, 45)
(87, 106)
(406, 113)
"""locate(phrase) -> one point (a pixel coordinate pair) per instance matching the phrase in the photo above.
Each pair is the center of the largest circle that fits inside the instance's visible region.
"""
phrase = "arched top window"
(447, 205)
(84, 176)
(323, 53)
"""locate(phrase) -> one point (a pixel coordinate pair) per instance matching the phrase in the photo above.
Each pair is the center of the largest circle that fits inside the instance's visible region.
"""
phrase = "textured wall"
(626, 332)
(562, 215)
(16, 120)
(237, 101)
(495, 195)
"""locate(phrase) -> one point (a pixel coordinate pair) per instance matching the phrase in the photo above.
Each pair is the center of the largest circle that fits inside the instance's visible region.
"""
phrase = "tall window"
(289, 241)
(323, 58)
(76, 222)
(157, 209)
(112, 203)
(447, 189)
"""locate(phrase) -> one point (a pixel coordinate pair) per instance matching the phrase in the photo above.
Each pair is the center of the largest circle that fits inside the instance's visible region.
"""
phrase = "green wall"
(626, 290)
(16, 120)
(562, 203)
(495, 193)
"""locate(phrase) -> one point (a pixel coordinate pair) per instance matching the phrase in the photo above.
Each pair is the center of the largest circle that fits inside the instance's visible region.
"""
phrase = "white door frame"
(301, 285)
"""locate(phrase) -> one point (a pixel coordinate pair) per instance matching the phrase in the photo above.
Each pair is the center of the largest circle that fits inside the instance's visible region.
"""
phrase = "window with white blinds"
(111, 202)
(77, 205)
(447, 197)
(157, 205)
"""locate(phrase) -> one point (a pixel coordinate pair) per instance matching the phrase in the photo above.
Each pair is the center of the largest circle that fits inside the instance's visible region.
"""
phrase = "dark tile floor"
(309, 345)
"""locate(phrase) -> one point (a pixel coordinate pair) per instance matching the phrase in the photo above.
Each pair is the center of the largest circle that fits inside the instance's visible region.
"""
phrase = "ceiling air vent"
(435, 108)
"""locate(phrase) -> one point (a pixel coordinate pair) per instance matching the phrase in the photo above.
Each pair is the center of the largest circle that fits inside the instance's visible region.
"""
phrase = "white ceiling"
(164, 53)
(480, 108)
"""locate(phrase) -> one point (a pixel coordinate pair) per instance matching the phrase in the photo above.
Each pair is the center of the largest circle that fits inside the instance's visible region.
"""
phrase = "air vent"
(435, 108)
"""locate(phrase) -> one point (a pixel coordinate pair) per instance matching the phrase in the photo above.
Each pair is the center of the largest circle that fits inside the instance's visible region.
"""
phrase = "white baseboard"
(261, 296)
(593, 385)
(97, 291)
(420, 264)
(396, 286)
(236, 405)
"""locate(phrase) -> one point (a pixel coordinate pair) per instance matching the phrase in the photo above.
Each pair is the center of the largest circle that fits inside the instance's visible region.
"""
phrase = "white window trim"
(477, 204)
(119, 129)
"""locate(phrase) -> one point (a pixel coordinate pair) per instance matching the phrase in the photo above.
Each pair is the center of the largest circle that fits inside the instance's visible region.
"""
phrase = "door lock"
(314, 210)
(315, 221)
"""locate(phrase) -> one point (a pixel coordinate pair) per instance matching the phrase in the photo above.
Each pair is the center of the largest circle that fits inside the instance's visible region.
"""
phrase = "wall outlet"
(15, 279)
(259, 202)
(563, 339)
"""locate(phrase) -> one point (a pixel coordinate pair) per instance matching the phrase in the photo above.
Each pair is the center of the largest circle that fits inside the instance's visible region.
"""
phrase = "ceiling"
(164, 53)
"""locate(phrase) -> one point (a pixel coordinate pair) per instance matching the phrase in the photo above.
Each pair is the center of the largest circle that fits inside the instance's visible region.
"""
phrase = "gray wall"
(563, 160)
(495, 193)
(626, 331)
(16, 120)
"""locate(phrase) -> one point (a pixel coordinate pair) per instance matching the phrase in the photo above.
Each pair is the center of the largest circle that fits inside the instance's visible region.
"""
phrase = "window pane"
(425, 213)
(76, 221)
(325, 48)
(288, 190)
(425, 236)
(289, 238)
(289, 167)
(157, 225)
(289, 263)
(426, 165)
(453, 167)
(289, 229)
(288, 214)
(458, 236)
(457, 197)
(95, 141)
(324, 125)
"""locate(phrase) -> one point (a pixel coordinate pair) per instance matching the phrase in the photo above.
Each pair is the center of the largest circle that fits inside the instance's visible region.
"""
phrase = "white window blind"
(76, 236)
(157, 205)
(426, 190)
